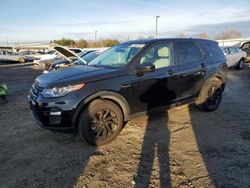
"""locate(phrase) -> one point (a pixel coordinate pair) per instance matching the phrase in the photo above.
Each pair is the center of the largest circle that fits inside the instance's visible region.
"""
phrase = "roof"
(148, 41)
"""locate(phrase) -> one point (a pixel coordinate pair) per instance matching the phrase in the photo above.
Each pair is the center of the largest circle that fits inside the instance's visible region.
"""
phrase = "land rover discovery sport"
(128, 79)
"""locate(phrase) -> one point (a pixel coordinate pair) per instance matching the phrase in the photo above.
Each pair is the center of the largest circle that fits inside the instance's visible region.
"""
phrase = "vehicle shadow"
(221, 137)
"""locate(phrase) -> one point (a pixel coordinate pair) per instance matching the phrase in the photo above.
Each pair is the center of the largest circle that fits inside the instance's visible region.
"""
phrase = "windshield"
(117, 56)
(51, 52)
(90, 56)
(81, 54)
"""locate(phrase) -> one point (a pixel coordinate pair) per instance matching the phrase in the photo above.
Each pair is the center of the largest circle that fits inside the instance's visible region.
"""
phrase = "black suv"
(128, 79)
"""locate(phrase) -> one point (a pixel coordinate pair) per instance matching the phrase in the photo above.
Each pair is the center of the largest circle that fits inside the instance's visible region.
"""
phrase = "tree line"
(228, 34)
(82, 43)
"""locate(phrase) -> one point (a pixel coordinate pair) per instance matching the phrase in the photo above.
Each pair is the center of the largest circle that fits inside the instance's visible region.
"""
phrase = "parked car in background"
(11, 56)
(246, 48)
(76, 50)
(81, 58)
(30, 55)
(45, 59)
(69, 57)
(129, 79)
(235, 57)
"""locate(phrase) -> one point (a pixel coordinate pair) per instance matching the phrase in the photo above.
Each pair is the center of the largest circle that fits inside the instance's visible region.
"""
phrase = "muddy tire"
(100, 122)
(213, 94)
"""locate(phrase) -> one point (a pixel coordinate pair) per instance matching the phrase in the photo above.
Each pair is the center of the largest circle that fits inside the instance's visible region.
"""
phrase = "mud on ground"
(181, 147)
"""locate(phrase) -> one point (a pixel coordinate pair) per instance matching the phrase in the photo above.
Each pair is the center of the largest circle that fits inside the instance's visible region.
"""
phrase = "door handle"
(126, 85)
(170, 72)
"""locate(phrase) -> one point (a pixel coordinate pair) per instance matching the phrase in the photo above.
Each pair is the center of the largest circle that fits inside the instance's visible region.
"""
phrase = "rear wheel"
(100, 122)
(213, 94)
(241, 64)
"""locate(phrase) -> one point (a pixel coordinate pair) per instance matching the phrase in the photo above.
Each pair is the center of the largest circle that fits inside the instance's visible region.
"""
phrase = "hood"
(73, 75)
(68, 54)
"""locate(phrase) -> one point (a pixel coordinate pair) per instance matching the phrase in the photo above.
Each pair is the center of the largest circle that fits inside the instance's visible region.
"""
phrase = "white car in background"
(29, 55)
(11, 56)
(235, 57)
(46, 59)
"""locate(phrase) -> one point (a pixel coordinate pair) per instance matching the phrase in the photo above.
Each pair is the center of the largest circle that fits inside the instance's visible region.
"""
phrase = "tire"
(21, 60)
(100, 122)
(240, 64)
(213, 93)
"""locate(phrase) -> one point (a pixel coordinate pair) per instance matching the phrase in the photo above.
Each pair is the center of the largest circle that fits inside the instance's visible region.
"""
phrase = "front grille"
(36, 89)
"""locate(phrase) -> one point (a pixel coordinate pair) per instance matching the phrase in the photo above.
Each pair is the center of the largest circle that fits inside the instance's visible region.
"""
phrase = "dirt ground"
(181, 147)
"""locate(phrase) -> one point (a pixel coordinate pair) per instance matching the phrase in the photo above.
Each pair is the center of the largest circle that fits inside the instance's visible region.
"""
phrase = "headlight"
(61, 91)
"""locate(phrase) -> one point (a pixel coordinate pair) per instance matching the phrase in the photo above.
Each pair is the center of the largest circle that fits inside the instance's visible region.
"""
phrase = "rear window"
(212, 50)
(189, 52)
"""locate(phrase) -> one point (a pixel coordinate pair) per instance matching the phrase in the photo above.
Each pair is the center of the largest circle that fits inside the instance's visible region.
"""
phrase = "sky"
(45, 20)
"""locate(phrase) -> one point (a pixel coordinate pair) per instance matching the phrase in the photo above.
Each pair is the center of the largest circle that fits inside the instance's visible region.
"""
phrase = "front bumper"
(49, 116)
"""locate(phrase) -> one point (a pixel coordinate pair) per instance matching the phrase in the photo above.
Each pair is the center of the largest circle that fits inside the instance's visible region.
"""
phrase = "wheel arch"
(244, 59)
(112, 96)
(201, 98)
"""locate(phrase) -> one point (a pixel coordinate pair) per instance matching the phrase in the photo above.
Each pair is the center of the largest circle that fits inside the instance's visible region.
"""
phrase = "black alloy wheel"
(100, 122)
(214, 99)
(104, 123)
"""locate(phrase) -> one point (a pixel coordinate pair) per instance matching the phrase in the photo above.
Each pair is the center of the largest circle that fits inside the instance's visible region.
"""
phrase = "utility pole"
(156, 26)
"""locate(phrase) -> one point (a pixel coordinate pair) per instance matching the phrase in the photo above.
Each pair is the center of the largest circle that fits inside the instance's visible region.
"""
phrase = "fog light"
(55, 113)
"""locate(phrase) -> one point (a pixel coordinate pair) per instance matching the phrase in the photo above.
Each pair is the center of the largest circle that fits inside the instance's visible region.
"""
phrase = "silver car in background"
(235, 57)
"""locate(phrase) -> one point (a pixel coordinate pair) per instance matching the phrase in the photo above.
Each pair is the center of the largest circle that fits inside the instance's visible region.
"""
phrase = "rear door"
(191, 68)
(234, 52)
(229, 56)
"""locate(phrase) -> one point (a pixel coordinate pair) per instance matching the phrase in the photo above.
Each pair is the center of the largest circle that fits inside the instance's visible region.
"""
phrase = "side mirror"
(145, 67)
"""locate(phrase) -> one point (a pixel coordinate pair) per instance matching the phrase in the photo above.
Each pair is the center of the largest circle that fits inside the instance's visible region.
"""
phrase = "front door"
(159, 87)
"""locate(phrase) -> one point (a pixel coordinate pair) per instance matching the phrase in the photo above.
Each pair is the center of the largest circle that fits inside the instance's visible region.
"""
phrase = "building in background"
(233, 42)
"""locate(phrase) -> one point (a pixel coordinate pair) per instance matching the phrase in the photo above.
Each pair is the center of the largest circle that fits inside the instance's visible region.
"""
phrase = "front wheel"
(100, 122)
(241, 64)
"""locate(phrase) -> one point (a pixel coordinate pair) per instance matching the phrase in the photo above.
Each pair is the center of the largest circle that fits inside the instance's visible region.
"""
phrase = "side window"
(233, 50)
(213, 51)
(225, 51)
(161, 55)
(188, 52)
